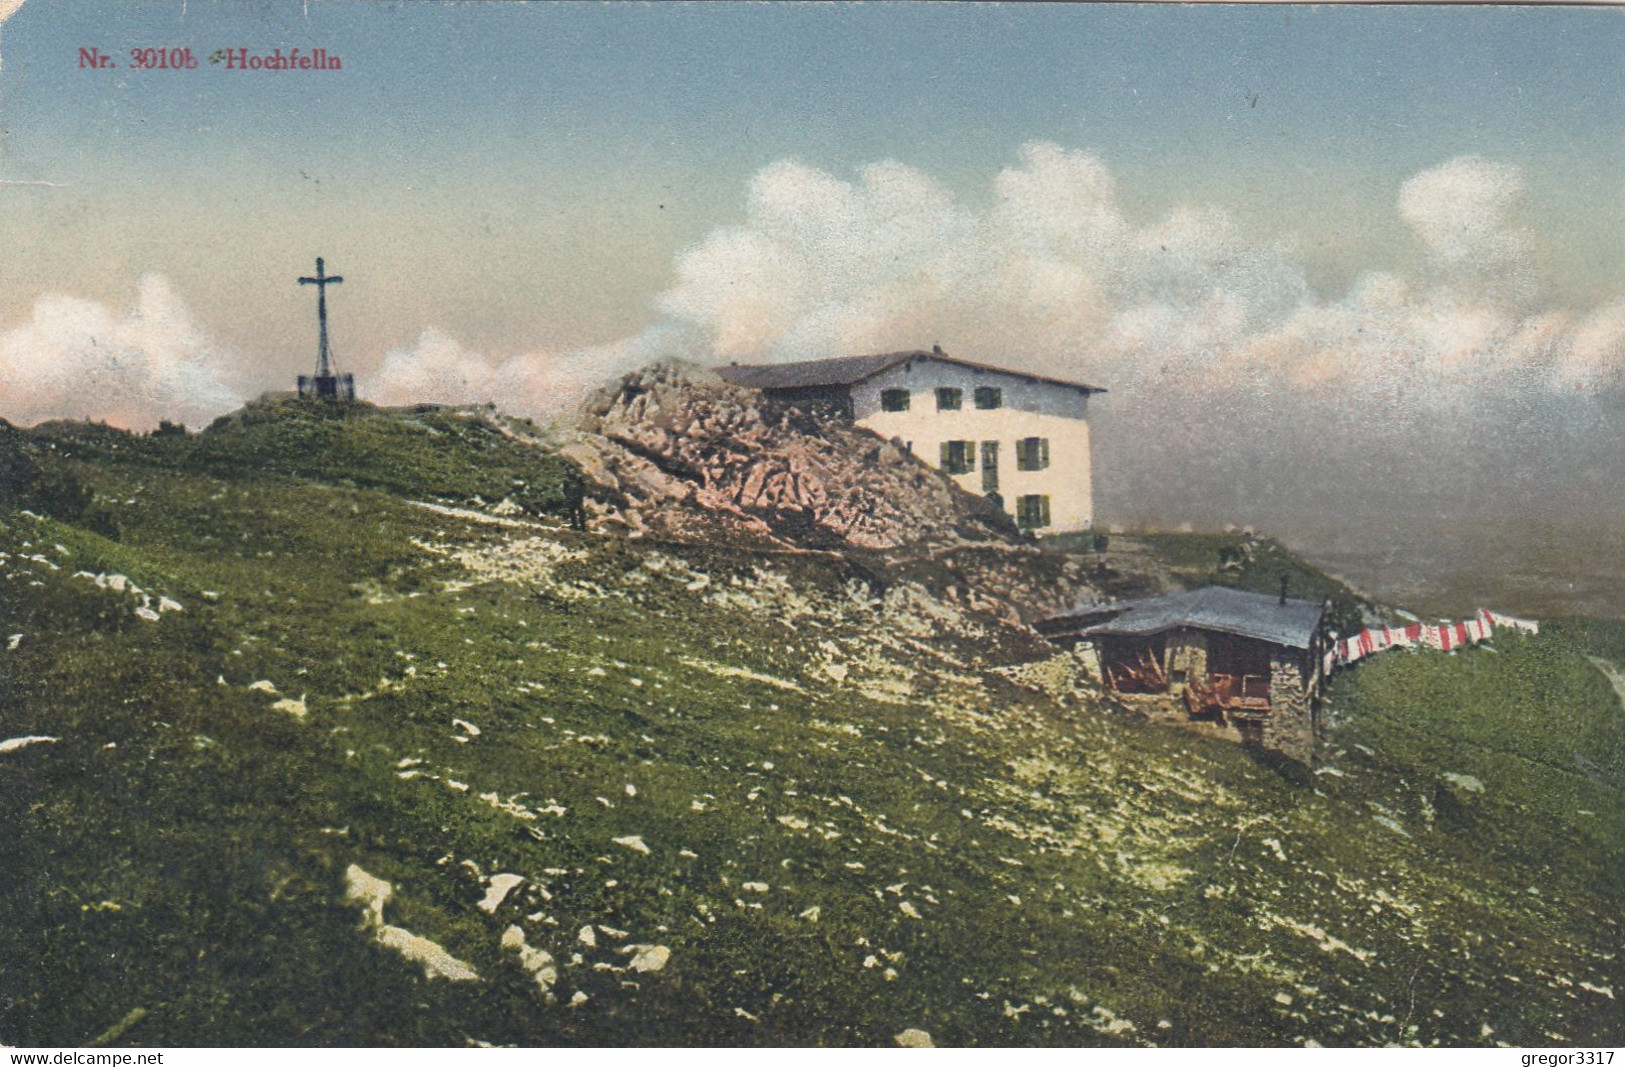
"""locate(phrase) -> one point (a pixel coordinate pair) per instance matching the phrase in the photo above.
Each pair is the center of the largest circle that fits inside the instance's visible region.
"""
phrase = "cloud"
(76, 358)
(1463, 212)
(1055, 276)
(438, 369)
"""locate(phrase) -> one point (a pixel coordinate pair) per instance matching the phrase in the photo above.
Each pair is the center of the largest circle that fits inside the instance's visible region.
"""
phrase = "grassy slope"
(1080, 877)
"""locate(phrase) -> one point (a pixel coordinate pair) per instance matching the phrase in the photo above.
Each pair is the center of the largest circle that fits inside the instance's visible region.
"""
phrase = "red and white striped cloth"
(1445, 636)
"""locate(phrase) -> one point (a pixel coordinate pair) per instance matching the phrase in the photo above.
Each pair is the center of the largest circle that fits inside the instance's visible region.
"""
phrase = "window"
(958, 457)
(989, 397)
(894, 400)
(949, 399)
(1032, 512)
(1032, 454)
(990, 466)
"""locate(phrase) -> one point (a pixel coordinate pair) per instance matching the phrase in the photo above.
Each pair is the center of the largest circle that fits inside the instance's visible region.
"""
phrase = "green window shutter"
(1043, 510)
(1043, 463)
(947, 456)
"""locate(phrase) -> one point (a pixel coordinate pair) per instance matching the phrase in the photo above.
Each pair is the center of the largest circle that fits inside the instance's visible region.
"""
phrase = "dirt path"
(1613, 674)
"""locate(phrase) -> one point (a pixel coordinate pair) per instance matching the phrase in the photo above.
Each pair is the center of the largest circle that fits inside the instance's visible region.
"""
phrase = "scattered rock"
(634, 842)
(372, 893)
(296, 708)
(501, 886)
(435, 960)
(539, 962)
(368, 891)
(15, 743)
(648, 958)
(912, 1038)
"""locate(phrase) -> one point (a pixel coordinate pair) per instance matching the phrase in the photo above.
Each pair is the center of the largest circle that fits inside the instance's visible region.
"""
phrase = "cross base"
(327, 387)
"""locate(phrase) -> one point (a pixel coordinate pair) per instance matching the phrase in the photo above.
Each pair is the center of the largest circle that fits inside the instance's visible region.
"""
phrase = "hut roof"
(1231, 611)
(850, 370)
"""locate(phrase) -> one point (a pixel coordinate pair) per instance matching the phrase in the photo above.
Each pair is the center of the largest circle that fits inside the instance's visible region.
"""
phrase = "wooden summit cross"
(325, 385)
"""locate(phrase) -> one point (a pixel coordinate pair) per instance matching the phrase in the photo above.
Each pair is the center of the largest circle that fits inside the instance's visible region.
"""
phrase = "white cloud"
(1054, 275)
(76, 358)
(438, 369)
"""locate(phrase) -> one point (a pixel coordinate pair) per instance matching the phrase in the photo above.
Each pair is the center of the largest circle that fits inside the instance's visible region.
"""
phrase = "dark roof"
(850, 370)
(1231, 611)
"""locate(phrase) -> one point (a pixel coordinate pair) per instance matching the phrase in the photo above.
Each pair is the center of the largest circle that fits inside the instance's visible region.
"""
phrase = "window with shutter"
(1032, 453)
(1032, 512)
(958, 457)
(990, 466)
(949, 399)
(894, 400)
(989, 397)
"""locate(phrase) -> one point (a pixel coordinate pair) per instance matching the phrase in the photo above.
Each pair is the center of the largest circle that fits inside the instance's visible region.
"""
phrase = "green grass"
(1181, 886)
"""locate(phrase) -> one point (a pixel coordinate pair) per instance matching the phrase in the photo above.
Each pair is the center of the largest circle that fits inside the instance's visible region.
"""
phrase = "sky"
(1322, 257)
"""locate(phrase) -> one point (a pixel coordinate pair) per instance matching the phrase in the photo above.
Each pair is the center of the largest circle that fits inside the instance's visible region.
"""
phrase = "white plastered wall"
(1030, 409)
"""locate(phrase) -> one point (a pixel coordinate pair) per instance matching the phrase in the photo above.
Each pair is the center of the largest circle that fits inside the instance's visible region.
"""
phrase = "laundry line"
(1444, 636)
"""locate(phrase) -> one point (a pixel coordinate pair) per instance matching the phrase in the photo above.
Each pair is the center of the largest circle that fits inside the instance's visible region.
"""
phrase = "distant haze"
(1355, 275)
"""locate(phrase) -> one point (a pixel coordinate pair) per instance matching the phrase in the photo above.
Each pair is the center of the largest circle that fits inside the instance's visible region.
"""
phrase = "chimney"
(936, 349)
(1284, 581)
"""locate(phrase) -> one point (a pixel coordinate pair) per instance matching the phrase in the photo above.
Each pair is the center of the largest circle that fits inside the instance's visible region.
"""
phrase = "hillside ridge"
(410, 761)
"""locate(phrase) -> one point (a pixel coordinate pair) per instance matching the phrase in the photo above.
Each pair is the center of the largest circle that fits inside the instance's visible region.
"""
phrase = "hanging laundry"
(1446, 636)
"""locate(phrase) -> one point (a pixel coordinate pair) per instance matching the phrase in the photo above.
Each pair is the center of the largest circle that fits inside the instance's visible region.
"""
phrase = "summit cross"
(322, 281)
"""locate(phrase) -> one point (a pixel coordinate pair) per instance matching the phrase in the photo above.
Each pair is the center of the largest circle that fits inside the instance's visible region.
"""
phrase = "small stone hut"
(1247, 665)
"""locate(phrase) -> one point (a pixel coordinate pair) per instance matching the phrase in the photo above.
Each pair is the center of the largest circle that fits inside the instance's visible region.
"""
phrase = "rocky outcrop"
(676, 452)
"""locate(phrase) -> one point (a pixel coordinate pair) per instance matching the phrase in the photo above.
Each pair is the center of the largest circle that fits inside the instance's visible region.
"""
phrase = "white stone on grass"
(539, 962)
(912, 1038)
(368, 891)
(501, 886)
(648, 958)
(12, 744)
(296, 708)
(587, 937)
(633, 842)
(371, 893)
(435, 960)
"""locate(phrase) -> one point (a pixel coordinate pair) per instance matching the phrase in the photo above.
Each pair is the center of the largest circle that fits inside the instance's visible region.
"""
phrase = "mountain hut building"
(1020, 438)
(1246, 664)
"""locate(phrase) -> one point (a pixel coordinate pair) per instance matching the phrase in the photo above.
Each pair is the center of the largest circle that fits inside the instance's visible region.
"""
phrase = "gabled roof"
(851, 370)
(1230, 611)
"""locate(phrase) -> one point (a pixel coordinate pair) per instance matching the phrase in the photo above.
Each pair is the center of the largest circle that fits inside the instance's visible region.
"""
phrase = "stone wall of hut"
(1289, 727)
